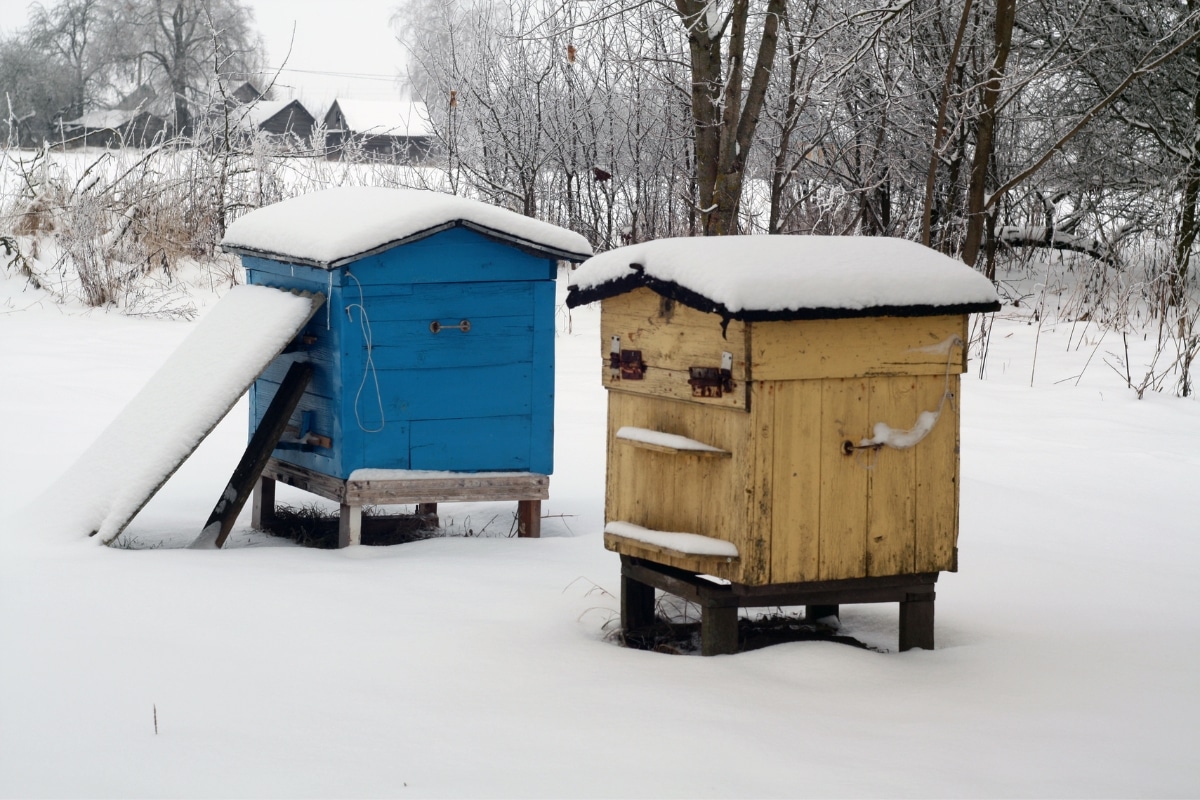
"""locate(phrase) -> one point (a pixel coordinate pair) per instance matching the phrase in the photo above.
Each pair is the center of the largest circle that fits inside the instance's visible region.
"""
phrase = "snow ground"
(482, 666)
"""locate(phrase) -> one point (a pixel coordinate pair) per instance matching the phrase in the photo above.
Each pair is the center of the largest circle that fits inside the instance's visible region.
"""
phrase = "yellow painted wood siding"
(684, 493)
(672, 337)
(871, 513)
(795, 505)
(847, 348)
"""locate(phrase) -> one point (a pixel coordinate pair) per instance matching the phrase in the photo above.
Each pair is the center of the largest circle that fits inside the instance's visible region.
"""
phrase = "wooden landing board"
(180, 405)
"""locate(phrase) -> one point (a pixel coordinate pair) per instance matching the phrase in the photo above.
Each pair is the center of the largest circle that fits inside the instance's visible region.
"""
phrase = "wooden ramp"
(179, 406)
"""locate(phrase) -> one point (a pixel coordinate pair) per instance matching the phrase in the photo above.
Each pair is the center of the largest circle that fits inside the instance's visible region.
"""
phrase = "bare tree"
(180, 41)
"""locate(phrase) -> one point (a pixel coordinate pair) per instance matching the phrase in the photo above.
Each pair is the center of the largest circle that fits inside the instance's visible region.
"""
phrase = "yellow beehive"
(783, 409)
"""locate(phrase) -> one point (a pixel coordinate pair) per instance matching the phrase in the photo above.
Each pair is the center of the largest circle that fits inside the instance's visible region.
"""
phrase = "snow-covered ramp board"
(175, 410)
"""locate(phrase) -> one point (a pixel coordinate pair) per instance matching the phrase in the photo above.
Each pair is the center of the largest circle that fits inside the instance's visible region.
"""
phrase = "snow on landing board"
(336, 226)
(176, 410)
(788, 277)
(690, 543)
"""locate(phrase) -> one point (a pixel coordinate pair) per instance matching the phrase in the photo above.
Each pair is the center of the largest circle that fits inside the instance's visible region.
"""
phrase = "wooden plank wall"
(672, 337)
(684, 493)
(794, 503)
(872, 513)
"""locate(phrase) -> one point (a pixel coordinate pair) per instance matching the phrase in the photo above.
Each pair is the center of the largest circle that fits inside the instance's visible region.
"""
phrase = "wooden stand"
(719, 602)
(528, 489)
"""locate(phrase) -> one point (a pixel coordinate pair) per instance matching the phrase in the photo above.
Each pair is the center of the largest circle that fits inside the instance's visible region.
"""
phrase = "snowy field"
(477, 665)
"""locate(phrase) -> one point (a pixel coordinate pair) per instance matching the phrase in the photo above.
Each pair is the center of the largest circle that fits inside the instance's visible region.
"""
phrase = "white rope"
(886, 436)
(369, 367)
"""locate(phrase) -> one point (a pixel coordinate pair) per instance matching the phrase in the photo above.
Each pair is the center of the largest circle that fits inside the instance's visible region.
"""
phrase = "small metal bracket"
(712, 381)
(436, 327)
(632, 366)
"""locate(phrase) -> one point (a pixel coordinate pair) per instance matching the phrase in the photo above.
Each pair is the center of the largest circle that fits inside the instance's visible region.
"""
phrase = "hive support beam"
(428, 514)
(637, 604)
(916, 621)
(258, 453)
(349, 525)
(529, 519)
(262, 509)
(718, 630)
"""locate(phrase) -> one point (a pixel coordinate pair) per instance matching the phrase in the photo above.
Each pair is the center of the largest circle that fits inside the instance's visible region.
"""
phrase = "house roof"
(758, 278)
(391, 117)
(334, 227)
(101, 120)
(255, 114)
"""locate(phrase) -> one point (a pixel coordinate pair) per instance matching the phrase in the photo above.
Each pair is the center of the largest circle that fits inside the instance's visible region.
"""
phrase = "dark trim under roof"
(673, 291)
(533, 248)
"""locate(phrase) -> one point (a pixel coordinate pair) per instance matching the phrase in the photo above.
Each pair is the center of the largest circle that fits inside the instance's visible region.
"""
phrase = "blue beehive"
(435, 348)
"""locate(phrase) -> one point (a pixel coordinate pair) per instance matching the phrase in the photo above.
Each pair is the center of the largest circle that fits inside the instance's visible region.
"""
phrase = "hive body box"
(432, 358)
(785, 493)
(746, 379)
(475, 400)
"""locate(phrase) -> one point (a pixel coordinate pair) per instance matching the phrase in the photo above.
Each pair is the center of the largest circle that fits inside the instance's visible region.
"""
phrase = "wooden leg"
(814, 613)
(262, 509)
(718, 631)
(529, 519)
(637, 604)
(428, 514)
(916, 622)
(350, 526)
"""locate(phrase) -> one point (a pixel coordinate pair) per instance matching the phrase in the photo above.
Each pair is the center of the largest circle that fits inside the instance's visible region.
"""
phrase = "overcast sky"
(344, 48)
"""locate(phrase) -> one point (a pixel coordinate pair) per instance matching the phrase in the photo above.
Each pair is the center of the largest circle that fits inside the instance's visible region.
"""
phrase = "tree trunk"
(985, 131)
(1191, 194)
(724, 129)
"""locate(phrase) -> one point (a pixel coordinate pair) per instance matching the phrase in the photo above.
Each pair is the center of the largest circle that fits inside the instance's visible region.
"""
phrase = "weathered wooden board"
(663, 491)
(672, 338)
(246, 475)
(891, 481)
(796, 510)
(936, 470)
(721, 566)
(397, 491)
(846, 348)
(843, 489)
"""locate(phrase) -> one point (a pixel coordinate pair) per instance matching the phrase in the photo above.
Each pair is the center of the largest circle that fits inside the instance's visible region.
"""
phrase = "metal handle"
(464, 326)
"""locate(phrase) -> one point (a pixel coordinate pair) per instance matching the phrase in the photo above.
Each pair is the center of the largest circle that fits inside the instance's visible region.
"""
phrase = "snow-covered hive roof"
(759, 278)
(334, 227)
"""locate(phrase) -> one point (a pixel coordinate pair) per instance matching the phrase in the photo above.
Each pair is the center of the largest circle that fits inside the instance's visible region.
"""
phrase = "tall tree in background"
(77, 55)
(726, 103)
(189, 46)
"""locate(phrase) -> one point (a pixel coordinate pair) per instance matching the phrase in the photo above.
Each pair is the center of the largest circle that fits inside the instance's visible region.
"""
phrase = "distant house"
(246, 93)
(113, 128)
(286, 120)
(396, 131)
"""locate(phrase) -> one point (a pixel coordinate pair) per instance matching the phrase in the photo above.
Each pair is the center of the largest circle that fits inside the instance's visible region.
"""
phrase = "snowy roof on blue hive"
(334, 227)
(760, 278)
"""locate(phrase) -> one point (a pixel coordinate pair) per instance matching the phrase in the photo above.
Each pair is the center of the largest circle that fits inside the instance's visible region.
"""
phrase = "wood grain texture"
(843, 479)
(721, 566)
(891, 481)
(844, 348)
(667, 492)
(672, 338)
(936, 470)
(796, 508)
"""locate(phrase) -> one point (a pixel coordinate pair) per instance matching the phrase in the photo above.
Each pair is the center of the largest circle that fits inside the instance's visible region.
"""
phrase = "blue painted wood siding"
(478, 400)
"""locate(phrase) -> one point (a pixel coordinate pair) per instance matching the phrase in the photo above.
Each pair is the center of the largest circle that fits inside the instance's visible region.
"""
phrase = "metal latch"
(712, 381)
(624, 364)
